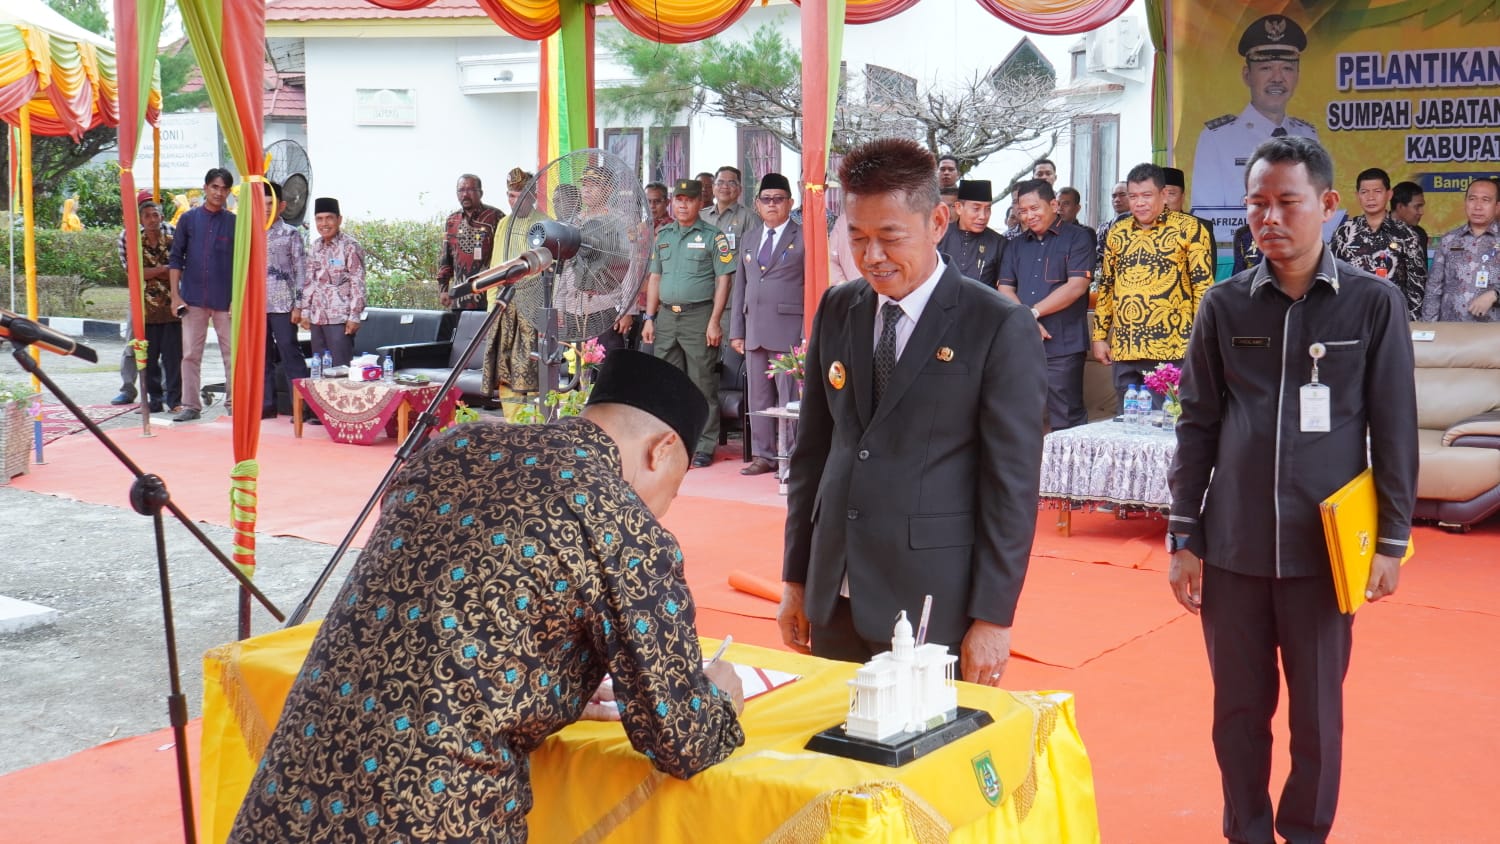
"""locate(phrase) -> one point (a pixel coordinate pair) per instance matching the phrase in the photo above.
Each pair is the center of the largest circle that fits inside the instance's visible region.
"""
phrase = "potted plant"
(570, 403)
(793, 363)
(1165, 380)
(19, 405)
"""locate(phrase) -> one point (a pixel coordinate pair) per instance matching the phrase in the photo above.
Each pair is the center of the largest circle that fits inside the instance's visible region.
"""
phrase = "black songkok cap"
(1175, 178)
(326, 205)
(775, 181)
(647, 383)
(975, 190)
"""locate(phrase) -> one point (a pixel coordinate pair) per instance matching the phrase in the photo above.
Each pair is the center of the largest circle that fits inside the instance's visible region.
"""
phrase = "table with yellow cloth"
(1024, 778)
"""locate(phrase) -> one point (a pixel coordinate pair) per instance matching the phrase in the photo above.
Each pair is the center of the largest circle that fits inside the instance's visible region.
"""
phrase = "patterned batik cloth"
(1392, 251)
(511, 568)
(335, 291)
(286, 268)
(1150, 286)
(468, 247)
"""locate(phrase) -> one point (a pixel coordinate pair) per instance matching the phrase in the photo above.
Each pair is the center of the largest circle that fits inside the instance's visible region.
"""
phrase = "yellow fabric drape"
(590, 784)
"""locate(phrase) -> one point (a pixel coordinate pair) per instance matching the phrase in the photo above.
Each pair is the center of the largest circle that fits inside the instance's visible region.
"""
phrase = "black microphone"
(22, 332)
(510, 272)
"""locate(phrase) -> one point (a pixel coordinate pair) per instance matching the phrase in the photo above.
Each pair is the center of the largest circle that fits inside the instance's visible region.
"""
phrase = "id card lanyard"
(1316, 399)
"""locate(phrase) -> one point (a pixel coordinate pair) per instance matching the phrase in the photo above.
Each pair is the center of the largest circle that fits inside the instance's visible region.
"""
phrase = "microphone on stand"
(22, 331)
(529, 263)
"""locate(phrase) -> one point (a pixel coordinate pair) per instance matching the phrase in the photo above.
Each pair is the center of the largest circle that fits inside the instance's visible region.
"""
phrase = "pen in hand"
(719, 654)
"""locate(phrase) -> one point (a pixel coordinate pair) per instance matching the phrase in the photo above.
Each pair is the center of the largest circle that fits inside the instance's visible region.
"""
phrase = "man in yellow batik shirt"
(1157, 266)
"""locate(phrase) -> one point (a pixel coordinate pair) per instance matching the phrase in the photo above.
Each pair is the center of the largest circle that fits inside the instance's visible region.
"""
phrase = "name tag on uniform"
(729, 236)
(478, 251)
(1482, 279)
(697, 245)
(1251, 342)
(335, 262)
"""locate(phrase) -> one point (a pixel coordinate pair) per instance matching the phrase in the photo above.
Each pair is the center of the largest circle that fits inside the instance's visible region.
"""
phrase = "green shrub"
(92, 255)
(401, 258)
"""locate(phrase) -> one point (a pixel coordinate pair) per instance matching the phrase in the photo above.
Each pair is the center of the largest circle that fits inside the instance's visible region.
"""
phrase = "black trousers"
(1247, 622)
(1129, 372)
(163, 362)
(1065, 392)
(839, 640)
(281, 349)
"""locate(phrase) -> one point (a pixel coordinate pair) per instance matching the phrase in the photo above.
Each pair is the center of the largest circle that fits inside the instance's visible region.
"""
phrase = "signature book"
(1351, 521)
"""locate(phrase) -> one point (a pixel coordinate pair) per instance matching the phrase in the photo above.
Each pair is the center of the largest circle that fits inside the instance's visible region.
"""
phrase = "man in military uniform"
(971, 246)
(1272, 47)
(686, 293)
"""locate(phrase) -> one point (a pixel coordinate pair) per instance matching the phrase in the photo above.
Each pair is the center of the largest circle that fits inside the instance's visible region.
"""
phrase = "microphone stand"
(425, 421)
(149, 496)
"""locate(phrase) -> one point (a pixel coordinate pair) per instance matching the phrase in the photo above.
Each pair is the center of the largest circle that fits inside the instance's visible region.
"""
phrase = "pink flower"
(593, 353)
(1165, 379)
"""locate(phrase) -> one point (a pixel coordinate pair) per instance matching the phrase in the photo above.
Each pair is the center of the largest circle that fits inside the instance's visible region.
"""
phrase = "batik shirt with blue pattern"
(511, 568)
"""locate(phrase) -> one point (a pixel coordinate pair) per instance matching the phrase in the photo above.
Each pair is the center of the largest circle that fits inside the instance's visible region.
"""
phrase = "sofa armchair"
(438, 358)
(733, 404)
(1458, 421)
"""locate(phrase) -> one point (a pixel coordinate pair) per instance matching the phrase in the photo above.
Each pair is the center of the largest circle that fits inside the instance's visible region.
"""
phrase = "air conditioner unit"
(1101, 46)
(1129, 39)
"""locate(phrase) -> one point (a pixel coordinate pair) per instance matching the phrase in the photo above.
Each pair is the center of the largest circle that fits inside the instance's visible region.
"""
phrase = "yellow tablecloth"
(590, 785)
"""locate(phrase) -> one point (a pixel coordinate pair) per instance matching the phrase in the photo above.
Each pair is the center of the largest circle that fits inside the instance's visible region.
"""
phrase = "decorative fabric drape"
(565, 121)
(822, 51)
(1156, 25)
(1055, 17)
(228, 36)
(69, 84)
(137, 31)
(677, 21)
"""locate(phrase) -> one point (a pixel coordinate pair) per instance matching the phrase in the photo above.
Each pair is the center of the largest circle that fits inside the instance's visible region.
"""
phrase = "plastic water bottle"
(327, 363)
(317, 365)
(1143, 406)
(388, 369)
(1131, 408)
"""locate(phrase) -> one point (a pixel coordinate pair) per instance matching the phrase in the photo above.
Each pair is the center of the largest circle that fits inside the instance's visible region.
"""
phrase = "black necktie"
(765, 255)
(885, 350)
(1278, 132)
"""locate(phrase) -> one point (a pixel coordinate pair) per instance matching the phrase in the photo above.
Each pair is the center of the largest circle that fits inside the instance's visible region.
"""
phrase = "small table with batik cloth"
(1107, 462)
(357, 411)
(1026, 777)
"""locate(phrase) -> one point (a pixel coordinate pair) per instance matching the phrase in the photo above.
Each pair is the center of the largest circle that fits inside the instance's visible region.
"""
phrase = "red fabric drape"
(815, 122)
(532, 28)
(402, 5)
(870, 11)
(641, 22)
(1082, 18)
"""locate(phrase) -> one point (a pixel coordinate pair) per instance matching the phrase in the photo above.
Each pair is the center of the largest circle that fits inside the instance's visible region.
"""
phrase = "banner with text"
(1410, 87)
(189, 148)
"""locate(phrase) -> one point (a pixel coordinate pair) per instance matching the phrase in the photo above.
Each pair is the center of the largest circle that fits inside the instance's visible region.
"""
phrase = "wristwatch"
(1176, 542)
(648, 317)
(1035, 314)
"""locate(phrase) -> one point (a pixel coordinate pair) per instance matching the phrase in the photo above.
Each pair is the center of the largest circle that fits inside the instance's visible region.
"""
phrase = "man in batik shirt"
(163, 328)
(1378, 243)
(512, 567)
(468, 243)
(286, 275)
(1157, 266)
(1466, 264)
(335, 294)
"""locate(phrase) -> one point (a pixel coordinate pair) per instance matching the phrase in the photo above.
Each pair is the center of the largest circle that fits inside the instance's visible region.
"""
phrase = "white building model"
(908, 689)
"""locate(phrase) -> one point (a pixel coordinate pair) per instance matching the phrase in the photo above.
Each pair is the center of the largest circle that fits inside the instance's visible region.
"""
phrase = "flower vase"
(1173, 407)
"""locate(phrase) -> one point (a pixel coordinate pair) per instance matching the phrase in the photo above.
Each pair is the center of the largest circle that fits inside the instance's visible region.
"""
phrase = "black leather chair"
(733, 404)
(437, 359)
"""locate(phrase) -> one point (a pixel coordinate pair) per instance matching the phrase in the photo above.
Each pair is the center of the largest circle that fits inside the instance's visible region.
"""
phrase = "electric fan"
(291, 168)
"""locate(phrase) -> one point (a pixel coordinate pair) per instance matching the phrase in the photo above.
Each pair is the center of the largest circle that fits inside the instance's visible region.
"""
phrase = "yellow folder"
(1351, 527)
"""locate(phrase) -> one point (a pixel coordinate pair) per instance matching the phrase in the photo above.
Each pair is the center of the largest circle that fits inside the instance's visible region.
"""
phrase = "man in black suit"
(765, 318)
(919, 443)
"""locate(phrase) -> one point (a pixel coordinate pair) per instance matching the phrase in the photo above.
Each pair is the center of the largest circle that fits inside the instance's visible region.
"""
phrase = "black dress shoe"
(702, 460)
(156, 407)
(123, 398)
(268, 413)
(758, 466)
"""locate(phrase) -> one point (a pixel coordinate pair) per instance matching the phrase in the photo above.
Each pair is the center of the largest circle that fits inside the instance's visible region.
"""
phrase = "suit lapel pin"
(945, 354)
(836, 375)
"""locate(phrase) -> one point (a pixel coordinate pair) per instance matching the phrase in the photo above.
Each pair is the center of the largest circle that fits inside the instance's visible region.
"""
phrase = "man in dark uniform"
(1408, 204)
(1176, 195)
(1246, 253)
(878, 514)
(1298, 376)
(1047, 269)
(970, 245)
(512, 567)
(687, 292)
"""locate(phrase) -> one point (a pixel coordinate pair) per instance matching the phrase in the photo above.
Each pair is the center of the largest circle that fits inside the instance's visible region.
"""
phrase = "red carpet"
(1422, 698)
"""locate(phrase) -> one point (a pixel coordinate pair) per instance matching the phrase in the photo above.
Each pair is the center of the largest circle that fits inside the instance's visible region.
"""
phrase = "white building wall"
(408, 172)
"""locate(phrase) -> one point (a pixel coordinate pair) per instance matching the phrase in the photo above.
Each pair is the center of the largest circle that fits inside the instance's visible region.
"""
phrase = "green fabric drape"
(1161, 104)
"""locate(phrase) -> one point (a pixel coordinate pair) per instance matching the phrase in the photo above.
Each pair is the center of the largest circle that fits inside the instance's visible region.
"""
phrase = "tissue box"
(365, 373)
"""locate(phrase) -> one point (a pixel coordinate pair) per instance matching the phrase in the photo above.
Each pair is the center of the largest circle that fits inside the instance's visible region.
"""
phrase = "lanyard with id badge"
(1316, 399)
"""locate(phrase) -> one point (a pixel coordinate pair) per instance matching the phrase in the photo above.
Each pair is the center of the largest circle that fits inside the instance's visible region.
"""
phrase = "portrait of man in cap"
(969, 244)
(1272, 48)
